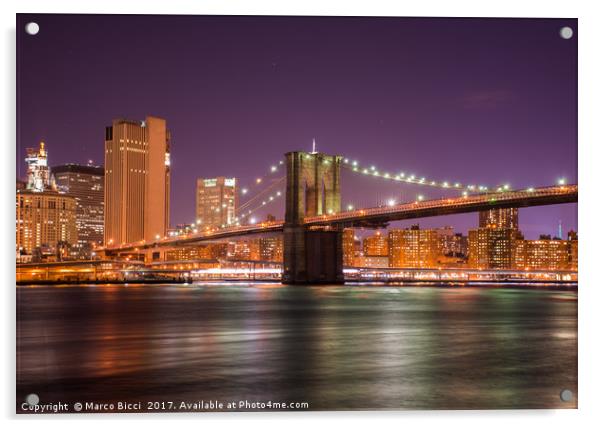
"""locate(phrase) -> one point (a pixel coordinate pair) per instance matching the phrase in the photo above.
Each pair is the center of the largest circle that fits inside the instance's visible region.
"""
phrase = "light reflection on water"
(336, 347)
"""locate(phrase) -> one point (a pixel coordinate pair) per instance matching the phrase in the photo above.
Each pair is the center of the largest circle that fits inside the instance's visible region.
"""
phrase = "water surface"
(334, 347)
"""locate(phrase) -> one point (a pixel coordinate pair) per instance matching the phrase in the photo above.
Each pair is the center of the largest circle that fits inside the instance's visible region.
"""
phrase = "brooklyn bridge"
(315, 218)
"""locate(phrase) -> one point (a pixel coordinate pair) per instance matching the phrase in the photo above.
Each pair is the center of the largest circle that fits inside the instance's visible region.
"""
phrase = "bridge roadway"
(380, 216)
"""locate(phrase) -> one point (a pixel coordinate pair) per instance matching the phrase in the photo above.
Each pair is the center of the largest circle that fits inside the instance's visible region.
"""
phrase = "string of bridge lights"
(354, 166)
(274, 168)
(261, 194)
(372, 171)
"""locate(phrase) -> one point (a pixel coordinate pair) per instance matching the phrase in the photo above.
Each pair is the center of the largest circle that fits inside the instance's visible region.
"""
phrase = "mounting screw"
(566, 395)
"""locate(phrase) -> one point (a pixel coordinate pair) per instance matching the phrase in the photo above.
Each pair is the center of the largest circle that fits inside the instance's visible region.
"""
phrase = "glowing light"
(258, 180)
(562, 181)
(506, 186)
(420, 197)
(278, 193)
(244, 191)
(157, 236)
(252, 220)
(391, 202)
(349, 207)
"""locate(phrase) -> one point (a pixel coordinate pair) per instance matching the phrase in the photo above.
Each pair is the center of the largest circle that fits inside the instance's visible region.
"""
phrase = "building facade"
(573, 250)
(376, 245)
(44, 220)
(216, 202)
(348, 247)
(137, 180)
(271, 249)
(492, 248)
(542, 254)
(501, 218)
(86, 184)
(413, 247)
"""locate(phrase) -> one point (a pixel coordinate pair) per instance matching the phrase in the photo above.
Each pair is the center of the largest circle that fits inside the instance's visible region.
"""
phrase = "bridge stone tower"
(313, 187)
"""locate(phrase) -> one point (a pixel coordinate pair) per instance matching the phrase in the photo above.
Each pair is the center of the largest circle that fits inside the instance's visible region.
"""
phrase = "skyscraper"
(38, 174)
(499, 218)
(216, 202)
(86, 184)
(137, 179)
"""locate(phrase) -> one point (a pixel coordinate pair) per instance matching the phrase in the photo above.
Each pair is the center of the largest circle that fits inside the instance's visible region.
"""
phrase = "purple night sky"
(479, 101)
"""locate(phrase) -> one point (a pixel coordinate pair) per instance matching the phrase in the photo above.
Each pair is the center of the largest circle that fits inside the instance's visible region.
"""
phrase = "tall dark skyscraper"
(86, 184)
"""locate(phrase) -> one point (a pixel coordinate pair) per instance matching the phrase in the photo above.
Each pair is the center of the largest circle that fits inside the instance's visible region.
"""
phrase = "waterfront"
(334, 347)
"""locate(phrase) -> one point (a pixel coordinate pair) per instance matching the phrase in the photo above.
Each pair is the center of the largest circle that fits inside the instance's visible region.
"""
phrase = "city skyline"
(268, 97)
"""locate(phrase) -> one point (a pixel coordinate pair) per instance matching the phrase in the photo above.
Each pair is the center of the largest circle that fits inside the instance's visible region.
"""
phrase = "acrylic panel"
(278, 213)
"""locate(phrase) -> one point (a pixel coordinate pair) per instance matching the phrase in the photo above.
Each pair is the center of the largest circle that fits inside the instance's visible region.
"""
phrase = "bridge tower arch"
(313, 187)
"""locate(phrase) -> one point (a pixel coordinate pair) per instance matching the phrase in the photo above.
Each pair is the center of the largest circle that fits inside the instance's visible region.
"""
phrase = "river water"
(332, 347)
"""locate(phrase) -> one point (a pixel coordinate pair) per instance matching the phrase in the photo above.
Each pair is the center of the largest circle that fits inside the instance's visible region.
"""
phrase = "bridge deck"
(382, 215)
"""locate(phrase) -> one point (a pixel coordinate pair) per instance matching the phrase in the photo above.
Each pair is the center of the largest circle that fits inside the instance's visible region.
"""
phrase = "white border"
(590, 162)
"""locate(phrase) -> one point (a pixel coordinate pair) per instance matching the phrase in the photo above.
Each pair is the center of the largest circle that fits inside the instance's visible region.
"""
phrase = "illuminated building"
(271, 249)
(542, 254)
(348, 247)
(248, 249)
(376, 245)
(573, 250)
(504, 218)
(137, 177)
(44, 220)
(452, 244)
(38, 173)
(202, 252)
(371, 261)
(413, 247)
(491, 247)
(86, 185)
(216, 202)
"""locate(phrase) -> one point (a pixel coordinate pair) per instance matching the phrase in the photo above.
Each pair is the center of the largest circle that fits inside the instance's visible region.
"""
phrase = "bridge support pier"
(312, 256)
(313, 187)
